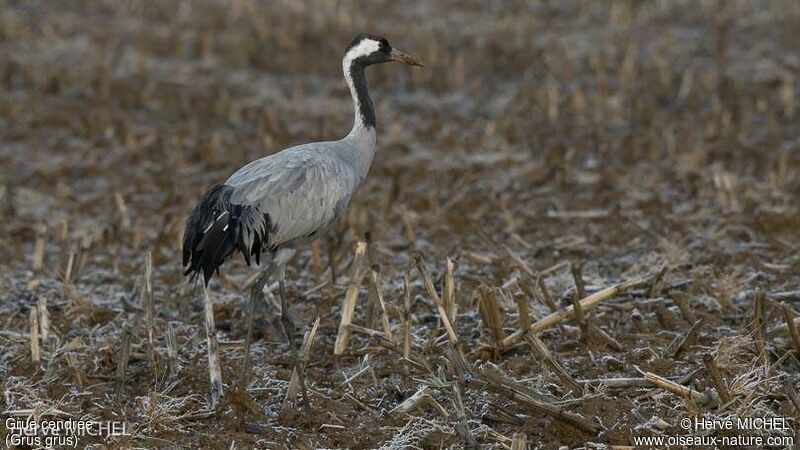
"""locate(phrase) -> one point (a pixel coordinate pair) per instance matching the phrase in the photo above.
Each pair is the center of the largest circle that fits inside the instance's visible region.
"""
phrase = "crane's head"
(368, 49)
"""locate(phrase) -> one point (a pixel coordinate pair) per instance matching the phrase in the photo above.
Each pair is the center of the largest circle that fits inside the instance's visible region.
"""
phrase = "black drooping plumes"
(217, 227)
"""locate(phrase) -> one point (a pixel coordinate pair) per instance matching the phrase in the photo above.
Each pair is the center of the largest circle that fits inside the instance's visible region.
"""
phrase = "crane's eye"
(384, 46)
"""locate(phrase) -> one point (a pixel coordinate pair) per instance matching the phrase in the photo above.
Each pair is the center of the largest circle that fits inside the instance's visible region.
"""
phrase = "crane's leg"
(215, 374)
(288, 328)
(256, 295)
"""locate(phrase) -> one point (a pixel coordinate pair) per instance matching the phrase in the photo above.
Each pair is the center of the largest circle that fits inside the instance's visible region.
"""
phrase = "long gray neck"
(362, 135)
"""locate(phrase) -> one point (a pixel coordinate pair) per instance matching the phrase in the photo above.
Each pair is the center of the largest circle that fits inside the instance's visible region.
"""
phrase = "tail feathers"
(217, 228)
(211, 233)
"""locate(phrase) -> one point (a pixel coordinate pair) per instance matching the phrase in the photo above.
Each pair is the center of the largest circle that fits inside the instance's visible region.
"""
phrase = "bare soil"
(631, 139)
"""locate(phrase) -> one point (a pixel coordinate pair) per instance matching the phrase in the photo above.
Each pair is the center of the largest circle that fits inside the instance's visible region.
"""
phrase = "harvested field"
(582, 224)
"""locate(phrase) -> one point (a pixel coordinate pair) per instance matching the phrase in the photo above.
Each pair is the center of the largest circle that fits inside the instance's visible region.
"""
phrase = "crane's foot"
(299, 367)
(288, 323)
(241, 404)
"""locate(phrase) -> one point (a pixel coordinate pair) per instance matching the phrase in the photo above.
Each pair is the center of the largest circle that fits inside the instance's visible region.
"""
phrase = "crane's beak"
(397, 55)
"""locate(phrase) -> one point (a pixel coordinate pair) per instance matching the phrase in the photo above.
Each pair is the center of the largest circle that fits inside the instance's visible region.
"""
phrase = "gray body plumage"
(277, 203)
(303, 189)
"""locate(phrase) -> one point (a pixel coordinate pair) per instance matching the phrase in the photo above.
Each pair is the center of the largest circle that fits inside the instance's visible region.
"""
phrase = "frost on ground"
(638, 160)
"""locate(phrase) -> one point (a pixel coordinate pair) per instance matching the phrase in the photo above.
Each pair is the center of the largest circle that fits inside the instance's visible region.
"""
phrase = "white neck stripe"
(364, 48)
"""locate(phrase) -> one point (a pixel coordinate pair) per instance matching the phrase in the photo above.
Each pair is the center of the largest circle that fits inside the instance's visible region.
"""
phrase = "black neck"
(365, 109)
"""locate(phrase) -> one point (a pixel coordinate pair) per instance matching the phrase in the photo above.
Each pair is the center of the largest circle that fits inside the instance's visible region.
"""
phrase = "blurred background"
(624, 136)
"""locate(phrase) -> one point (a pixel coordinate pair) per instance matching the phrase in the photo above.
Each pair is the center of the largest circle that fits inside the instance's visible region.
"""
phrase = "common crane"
(277, 204)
